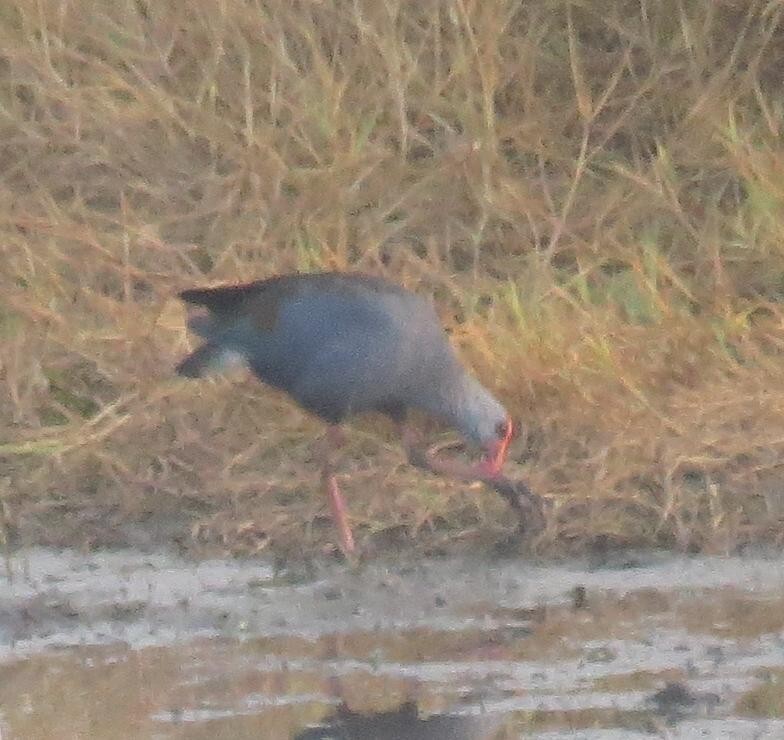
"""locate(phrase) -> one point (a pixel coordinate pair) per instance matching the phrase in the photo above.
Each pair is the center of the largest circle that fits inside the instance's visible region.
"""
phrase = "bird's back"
(338, 343)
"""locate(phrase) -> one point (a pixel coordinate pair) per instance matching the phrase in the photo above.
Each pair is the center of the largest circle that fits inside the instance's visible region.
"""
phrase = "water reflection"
(402, 722)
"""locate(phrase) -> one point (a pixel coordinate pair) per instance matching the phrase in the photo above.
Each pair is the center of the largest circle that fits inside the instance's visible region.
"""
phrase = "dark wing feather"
(261, 298)
(223, 299)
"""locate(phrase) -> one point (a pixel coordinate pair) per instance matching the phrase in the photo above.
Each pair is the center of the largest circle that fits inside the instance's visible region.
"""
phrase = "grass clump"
(765, 699)
(592, 193)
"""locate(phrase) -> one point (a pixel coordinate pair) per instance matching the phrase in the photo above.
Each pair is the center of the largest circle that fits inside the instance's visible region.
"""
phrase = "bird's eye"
(503, 429)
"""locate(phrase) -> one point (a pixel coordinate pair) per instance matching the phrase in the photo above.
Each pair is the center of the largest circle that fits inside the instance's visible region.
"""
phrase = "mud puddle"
(123, 644)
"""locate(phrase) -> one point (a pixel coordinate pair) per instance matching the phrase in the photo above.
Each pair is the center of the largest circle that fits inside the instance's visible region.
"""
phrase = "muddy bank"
(65, 597)
(486, 648)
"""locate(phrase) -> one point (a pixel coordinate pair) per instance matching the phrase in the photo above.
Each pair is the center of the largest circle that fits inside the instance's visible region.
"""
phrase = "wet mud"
(121, 644)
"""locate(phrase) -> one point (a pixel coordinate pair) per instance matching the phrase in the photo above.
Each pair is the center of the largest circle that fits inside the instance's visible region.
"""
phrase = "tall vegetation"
(593, 192)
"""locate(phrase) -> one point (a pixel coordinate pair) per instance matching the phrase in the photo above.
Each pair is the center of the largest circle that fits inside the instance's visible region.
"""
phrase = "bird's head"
(491, 428)
(495, 448)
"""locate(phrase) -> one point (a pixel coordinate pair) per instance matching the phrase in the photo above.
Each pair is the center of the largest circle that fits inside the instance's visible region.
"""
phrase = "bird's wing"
(258, 302)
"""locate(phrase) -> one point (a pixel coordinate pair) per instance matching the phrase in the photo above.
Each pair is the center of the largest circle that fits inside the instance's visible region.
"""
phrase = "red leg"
(338, 506)
(334, 439)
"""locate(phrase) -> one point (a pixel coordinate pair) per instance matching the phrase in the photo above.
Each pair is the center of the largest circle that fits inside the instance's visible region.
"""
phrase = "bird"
(342, 344)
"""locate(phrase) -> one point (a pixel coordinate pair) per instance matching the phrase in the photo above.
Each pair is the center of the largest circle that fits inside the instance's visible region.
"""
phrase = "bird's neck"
(455, 401)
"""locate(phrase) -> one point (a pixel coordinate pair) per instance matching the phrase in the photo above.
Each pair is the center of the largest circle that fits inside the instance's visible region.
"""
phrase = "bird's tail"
(210, 357)
(202, 324)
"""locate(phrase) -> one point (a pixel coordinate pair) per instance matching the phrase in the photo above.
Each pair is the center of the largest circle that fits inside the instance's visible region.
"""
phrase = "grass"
(591, 191)
(765, 699)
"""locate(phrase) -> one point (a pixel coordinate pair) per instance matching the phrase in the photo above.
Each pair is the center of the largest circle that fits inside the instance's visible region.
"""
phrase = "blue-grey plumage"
(342, 344)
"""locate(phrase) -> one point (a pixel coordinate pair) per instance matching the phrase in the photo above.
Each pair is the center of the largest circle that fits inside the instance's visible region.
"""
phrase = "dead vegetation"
(592, 191)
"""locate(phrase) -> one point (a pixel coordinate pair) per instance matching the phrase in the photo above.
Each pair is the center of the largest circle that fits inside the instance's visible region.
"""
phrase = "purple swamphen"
(341, 344)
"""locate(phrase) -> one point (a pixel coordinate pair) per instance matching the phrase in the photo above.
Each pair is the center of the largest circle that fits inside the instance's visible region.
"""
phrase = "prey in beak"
(516, 493)
(487, 469)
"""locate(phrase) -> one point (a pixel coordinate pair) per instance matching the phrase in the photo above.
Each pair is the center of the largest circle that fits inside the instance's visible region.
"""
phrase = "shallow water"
(124, 644)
